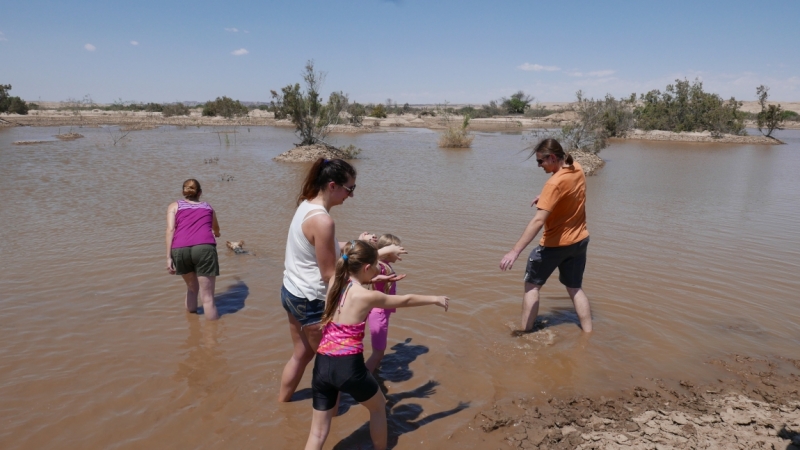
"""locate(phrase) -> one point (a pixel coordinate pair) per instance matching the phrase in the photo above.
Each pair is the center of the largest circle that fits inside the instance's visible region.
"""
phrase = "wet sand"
(689, 263)
(756, 406)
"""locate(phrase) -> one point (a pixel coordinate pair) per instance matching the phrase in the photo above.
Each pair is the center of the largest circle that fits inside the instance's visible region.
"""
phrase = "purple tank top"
(193, 225)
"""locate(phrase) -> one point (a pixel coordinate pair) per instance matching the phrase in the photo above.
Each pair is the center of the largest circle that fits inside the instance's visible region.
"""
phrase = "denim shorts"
(307, 312)
(570, 260)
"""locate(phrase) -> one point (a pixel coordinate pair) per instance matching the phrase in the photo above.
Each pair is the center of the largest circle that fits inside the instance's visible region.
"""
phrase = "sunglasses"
(540, 161)
(349, 189)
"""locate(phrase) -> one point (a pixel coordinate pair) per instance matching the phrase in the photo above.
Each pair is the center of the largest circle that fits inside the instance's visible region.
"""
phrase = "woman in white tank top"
(311, 254)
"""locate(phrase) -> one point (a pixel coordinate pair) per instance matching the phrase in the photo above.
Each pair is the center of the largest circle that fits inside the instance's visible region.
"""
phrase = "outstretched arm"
(533, 228)
(378, 299)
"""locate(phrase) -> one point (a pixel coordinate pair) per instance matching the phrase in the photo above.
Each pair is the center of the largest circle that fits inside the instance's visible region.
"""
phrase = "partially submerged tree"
(312, 118)
(686, 107)
(771, 117)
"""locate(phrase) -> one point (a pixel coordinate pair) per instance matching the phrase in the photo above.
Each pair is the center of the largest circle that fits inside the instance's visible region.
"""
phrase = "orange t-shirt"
(564, 196)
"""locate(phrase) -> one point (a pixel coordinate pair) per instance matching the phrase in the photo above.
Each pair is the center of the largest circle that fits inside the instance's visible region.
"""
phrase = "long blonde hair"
(355, 255)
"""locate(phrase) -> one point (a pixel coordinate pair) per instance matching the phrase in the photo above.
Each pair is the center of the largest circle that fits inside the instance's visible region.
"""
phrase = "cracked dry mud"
(758, 407)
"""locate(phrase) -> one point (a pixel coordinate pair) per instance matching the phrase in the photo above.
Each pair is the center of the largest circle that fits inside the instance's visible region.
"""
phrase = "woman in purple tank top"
(192, 230)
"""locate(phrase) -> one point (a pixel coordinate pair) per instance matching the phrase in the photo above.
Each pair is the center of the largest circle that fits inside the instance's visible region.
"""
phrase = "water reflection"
(204, 369)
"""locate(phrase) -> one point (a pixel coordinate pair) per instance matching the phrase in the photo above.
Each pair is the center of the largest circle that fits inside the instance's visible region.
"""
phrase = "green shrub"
(153, 107)
(357, 113)
(12, 105)
(174, 109)
(686, 107)
(17, 106)
(378, 111)
(786, 115)
(517, 104)
(224, 107)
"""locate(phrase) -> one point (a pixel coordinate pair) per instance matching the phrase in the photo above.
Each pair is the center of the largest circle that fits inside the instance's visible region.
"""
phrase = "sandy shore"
(703, 136)
(757, 406)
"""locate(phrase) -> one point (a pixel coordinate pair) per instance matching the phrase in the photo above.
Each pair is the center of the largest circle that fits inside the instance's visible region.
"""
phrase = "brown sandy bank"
(309, 153)
(704, 136)
(756, 406)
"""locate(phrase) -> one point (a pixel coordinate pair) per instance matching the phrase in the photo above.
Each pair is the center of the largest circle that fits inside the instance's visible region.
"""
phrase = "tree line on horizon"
(682, 106)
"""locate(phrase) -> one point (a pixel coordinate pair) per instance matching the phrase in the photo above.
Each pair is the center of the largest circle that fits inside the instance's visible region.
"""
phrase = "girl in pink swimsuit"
(378, 320)
(339, 364)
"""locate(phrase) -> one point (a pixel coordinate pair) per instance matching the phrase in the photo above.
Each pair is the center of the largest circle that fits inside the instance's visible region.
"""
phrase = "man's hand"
(508, 260)
(535, 201)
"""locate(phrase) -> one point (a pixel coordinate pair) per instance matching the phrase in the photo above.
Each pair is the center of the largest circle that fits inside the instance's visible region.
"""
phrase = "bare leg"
(207, 296)
(377, 420)
(581, 303)
(530, 306)
(320, 426)
(305, 342)
(375, 360)
(192, 288)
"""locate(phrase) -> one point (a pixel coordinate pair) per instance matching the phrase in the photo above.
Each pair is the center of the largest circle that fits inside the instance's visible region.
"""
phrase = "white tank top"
(301, 275)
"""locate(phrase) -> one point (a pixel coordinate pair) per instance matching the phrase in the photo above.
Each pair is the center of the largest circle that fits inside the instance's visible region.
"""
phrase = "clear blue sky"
(415, 51)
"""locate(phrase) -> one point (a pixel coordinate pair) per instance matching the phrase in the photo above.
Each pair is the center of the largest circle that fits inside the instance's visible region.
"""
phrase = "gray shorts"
(570, 260)
(200, 259)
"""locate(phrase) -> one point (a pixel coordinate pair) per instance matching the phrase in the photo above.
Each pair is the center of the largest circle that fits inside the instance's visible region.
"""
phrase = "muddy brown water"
(695, 253)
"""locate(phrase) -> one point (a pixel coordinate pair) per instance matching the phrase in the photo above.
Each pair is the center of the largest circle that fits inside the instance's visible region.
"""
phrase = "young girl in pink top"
(339, 364)
(378, 320)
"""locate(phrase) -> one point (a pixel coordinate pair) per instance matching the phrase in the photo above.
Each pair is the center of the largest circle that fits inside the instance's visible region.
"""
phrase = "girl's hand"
(442, 301)
(369, 237)
(392, 277)
(170, 266)
(396, 250)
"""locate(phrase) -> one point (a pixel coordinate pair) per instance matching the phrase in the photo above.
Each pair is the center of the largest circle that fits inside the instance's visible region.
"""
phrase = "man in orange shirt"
(561, 209)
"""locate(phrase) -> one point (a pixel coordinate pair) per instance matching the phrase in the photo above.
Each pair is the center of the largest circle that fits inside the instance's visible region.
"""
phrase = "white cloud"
(134, 42)
(538, 68)
(240, 52)
(2, 36)
(232, 30)
(90, 47)
(601, 73)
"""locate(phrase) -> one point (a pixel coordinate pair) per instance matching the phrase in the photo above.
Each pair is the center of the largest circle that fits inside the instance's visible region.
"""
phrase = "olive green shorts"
(200, 259)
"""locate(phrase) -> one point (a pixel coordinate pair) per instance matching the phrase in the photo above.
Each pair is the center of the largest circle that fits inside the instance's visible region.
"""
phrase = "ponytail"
(355, 255)
(321, 172)
(551, 147)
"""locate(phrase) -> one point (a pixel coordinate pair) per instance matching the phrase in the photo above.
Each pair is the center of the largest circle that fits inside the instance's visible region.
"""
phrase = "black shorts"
(334, 374)
(570, 260)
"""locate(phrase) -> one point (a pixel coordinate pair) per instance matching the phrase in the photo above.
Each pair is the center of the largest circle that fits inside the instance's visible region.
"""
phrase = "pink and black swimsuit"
(339, 364)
